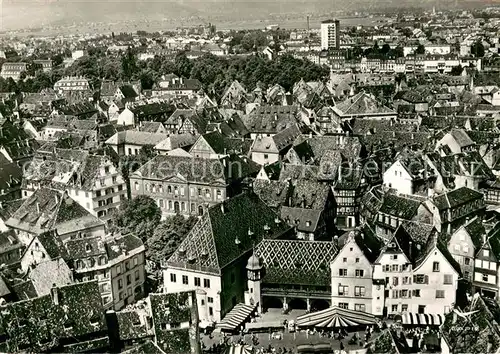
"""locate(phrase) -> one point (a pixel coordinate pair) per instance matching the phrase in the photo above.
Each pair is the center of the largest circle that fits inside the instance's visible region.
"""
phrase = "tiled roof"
(479, 330)
(296, 262)
(52, 244)
(227, 231)
(48, 210)
(10, 174)
(47, 274)
(456, 198)
(271, 119)
(46, 323)
(175, 141)
(399, 206)
(461, 137)
(174, 309)
(273, 193)
(361, 105)
(134, 137)
(294, 172)
(200, 170)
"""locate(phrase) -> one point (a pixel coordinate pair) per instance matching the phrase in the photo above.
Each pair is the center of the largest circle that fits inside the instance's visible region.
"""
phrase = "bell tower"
(254, 277)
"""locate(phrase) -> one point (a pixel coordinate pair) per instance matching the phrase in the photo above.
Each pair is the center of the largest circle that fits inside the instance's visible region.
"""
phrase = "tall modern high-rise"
(330, 34)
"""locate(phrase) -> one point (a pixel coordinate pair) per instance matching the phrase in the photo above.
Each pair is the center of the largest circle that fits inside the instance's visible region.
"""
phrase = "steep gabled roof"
(227, 231)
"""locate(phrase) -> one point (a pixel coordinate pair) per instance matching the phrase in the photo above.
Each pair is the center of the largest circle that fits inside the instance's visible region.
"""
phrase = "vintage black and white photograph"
(250, 176)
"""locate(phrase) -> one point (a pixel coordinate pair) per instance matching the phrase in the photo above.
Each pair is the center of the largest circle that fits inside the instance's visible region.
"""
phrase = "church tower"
(254, 276)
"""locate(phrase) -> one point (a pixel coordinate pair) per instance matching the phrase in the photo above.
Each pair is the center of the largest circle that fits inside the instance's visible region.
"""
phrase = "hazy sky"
(15, 14)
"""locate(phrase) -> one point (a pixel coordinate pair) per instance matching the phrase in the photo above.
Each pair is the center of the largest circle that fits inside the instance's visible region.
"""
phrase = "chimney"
(37, 208)
(55, 294)
(339, 174)
(222, 208)
(275, 116)
(410, 244)
(56, 198)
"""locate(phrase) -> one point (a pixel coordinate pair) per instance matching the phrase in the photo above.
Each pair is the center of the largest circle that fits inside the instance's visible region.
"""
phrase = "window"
(395, 294)
(435, 267)
(127, 265)
(415, 293)
(486, 253)
(343, 290)
(467, 261)
(129, 279)
(448, 279)
(394, 268)
(485, 277)
(466, 248)
(266, 156)
(394, 308)
(118, 269)
(114, 179)
(360, 273)
(210, 311)
(136, 261)
(344, 305)
(420, 279)
(120, 283)
(357, 260)
(210, 300)
(439, 294)
(359, 291)
(197, 281)
(404, 307)
(185, 280)
(137, 275)
(219, 194)
(342, 272)
(360, 307)
(169, 189)
(344, 260)
(394, 256)
(136, 188)
(176, 190)
(395, 281)
(206, 283)
(173, 278)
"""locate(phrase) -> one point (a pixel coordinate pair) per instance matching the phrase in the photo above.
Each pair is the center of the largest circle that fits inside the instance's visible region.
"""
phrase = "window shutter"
(426, 279)
(414, 278)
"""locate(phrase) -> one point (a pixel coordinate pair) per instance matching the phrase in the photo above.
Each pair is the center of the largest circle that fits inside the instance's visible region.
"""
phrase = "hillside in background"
(21, 14)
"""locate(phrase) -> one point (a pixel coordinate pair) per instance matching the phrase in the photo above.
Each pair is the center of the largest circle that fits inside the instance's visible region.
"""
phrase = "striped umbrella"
(335, 317)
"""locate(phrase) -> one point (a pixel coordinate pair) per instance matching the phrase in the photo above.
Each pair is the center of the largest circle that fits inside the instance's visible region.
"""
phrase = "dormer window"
(88, 247)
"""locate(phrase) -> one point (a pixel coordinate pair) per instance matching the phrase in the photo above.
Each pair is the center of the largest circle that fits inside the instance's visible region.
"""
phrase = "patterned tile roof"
(296, 262)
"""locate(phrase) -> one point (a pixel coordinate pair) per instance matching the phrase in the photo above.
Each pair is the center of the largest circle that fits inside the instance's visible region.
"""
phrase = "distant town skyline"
(20, 15)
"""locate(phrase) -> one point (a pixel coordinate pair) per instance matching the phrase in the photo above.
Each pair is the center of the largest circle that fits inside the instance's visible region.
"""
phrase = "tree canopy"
(140, 216)
(168, 236)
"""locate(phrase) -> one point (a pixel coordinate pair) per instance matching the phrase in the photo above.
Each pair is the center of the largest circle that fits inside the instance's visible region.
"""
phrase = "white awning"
(422, 319)
(236, 317)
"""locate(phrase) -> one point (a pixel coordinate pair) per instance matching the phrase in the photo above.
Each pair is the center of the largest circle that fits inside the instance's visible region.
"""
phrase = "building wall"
(397, 177)
(359, 296)
(178, 197)
(34, 254)
(433, 304)
(462, 249)
(129, 272)
(265, 158)
(395, 271)
(203, 293)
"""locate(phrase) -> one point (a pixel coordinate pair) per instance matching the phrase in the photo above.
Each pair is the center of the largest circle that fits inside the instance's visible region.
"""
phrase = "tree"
(420, 49)
(477, 49)
(385, 49)
(457, 70)
(168, 236)
(140, 216)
